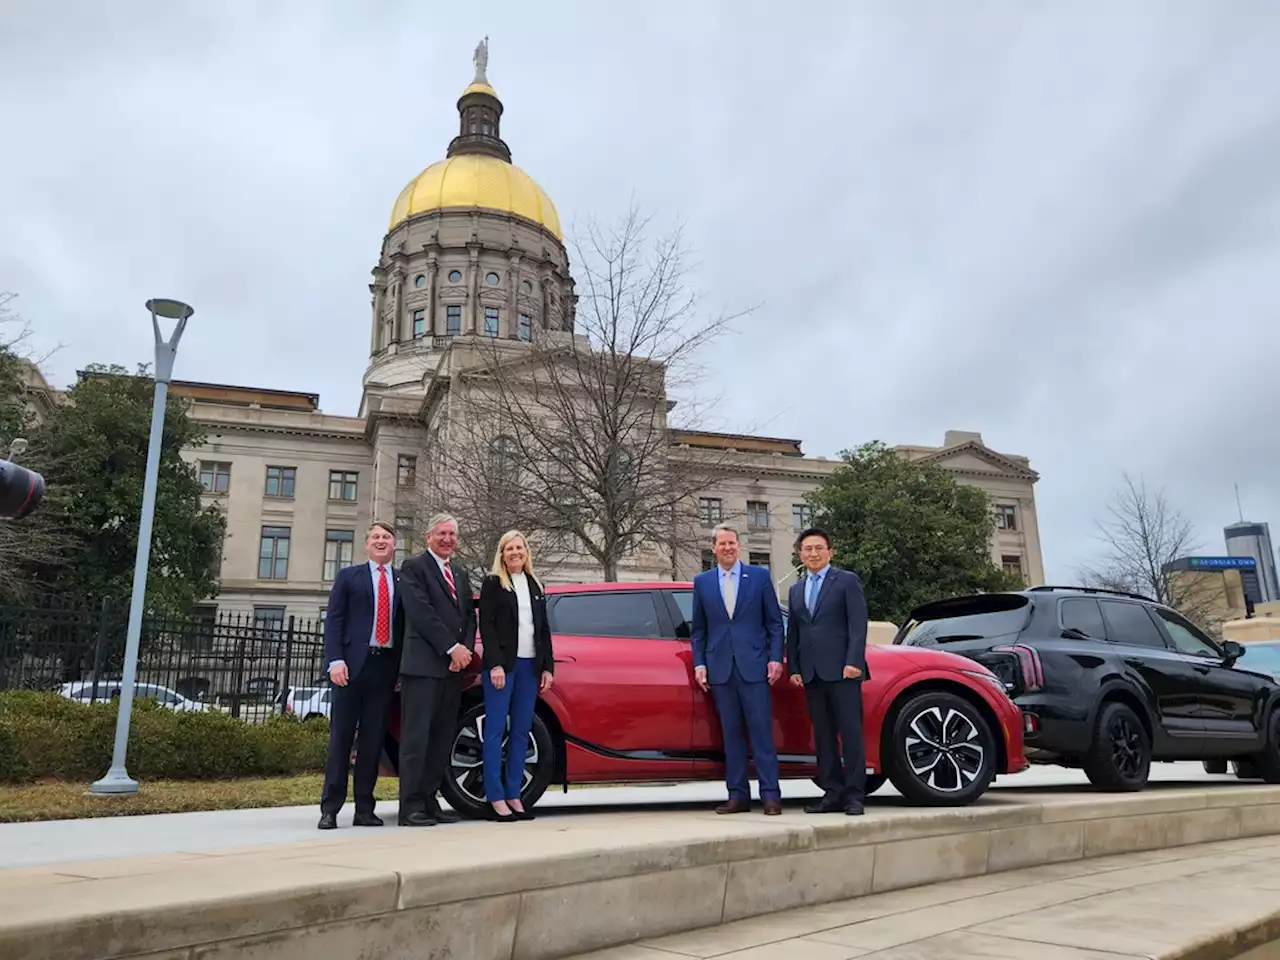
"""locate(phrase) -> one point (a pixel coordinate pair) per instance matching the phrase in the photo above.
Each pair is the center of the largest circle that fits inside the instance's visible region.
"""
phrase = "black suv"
(1111, 681)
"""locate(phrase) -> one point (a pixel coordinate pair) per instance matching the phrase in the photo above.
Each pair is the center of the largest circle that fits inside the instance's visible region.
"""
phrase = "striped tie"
(448, 578)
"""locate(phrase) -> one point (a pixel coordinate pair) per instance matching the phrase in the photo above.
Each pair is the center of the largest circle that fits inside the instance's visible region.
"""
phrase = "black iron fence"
(226, 661)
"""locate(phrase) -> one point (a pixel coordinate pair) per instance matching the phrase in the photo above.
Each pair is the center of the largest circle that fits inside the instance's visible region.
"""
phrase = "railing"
(231, 662)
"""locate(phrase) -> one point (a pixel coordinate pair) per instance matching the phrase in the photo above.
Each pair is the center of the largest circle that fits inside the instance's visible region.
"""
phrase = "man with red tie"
(439, 641)
(363, 636)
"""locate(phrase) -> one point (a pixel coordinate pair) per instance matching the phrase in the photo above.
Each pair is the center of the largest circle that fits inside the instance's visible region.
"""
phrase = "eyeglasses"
(812, 548)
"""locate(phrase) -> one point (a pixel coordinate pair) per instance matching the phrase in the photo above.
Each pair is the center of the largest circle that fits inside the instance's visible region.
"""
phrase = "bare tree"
(1144, 534)
(570, 436)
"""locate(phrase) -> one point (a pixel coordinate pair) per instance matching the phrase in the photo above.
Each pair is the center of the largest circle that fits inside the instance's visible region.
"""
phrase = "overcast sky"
(1059, 227)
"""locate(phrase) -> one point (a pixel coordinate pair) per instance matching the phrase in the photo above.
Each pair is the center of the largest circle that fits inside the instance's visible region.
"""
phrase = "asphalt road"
(60, 841)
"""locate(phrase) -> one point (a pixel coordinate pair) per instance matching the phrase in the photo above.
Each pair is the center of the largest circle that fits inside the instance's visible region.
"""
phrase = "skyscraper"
(1254, 540)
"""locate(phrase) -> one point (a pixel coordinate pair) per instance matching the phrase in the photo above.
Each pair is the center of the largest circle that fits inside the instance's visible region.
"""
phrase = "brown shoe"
(772, 808)
(734, 805)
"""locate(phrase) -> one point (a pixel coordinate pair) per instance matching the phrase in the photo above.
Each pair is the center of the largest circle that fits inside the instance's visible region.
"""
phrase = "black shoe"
(496, 817)
(825, 806)
(853, 809)
(366, 820)
(443, 816)
(524, 814)
(328, 821)
(418, 818)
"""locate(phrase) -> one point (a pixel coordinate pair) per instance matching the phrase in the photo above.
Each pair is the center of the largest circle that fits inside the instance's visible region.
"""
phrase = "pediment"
(972, 457)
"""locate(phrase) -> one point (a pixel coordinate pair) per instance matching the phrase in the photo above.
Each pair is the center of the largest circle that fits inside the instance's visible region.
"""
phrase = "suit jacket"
(348, 619)
(835, 636)
(751, 638)
(500, 626)
(434, 621)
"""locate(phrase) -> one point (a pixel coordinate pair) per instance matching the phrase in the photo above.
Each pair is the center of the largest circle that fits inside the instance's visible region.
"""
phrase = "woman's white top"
(524, 635)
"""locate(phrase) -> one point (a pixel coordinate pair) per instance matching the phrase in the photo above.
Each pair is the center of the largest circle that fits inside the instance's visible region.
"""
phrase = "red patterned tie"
(382, 627)
(448, 578)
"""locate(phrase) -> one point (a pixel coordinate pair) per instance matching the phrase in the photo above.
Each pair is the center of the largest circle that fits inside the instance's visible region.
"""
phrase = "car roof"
(936, 609)
(620, 585)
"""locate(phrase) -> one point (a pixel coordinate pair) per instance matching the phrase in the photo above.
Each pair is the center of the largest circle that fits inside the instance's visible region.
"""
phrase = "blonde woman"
(518, 663)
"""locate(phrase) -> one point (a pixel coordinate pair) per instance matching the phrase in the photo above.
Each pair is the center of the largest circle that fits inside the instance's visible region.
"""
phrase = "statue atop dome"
(481, 58)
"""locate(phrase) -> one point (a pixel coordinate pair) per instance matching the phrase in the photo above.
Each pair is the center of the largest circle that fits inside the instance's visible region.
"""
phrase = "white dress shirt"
(524, 618)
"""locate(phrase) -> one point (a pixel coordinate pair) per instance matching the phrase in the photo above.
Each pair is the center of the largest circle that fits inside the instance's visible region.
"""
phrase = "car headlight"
(990, 678)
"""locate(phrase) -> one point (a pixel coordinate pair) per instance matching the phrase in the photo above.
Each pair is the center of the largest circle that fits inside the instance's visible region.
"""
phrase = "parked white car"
(83, 690)
(308, 702)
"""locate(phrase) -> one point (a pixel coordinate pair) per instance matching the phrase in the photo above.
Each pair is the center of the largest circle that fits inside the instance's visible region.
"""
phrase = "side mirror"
(1233, 651)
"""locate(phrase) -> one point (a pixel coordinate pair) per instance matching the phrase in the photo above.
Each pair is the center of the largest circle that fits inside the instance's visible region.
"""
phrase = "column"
(433, 271)
(509, 325)
(378, 301)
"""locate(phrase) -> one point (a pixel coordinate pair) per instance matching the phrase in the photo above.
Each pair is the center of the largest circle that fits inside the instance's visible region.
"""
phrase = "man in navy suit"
(827, 655)
(363, 634)
(737, 654)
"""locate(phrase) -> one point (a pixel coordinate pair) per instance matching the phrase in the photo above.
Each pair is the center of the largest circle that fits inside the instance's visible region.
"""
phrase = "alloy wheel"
(944, 749)
(1126, 747)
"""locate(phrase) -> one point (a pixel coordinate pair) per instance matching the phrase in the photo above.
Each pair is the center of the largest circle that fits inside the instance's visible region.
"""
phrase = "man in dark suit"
(737, 654)
(439, 640)
(363, 636)
(827, 654)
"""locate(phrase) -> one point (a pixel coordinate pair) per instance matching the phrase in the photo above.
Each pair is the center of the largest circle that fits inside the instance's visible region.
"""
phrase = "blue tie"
(814, 580)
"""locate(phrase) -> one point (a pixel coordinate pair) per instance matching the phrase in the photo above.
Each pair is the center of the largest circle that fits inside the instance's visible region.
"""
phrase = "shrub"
(45, 735)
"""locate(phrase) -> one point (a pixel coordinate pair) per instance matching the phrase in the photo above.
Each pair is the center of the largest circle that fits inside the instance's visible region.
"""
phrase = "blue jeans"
(515, 701)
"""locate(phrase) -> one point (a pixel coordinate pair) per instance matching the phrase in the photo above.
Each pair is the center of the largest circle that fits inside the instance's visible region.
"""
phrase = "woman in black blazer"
(518, 663)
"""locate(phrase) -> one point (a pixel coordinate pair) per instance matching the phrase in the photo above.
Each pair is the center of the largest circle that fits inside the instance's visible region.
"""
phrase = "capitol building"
(474, 253)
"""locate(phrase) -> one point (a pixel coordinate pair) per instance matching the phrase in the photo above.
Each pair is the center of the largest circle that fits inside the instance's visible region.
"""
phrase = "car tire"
(1246, 769)
(939, 750)
(1215, 766)
(1119, 758)
(463, 786)
(1266, 765)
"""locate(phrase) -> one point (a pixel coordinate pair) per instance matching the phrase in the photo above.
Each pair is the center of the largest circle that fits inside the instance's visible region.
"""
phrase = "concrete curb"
(562, 886)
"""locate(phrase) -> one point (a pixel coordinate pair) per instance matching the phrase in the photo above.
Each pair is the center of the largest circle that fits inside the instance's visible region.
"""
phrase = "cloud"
(1055, 225)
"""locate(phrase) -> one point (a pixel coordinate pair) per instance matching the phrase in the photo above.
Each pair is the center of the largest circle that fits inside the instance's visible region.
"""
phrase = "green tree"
(909, 530)
(98, 453)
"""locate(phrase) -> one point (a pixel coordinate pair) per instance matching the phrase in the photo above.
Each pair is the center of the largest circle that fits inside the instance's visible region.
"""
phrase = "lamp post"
(117, 779)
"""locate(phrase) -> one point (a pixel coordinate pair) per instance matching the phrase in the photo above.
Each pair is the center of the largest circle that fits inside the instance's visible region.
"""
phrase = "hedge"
(45, 735)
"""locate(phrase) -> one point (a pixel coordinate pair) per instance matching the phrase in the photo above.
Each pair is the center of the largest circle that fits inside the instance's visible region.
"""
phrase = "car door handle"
(1135, 662)
(566, 659)
(1204, 670)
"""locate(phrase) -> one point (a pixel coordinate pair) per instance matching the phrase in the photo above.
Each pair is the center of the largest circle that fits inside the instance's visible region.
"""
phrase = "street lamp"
(117, 779)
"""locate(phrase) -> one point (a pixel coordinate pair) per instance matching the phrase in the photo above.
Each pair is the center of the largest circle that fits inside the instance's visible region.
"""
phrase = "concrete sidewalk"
(62, 841)
(1207, 901)
(569, 883)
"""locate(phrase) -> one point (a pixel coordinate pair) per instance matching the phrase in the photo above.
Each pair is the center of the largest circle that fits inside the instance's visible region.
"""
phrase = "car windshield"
(967, 618)
(1262, 658)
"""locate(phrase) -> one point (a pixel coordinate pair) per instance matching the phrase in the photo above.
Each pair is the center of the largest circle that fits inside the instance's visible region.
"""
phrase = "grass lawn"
(55, 800)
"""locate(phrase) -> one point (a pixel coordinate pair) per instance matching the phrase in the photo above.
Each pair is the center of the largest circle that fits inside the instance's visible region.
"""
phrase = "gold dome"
(475, 180)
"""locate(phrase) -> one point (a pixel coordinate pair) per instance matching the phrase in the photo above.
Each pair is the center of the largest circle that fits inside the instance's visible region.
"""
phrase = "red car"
(624, 708)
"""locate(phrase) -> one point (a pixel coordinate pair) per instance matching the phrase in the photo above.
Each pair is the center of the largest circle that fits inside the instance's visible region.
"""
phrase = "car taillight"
(1028, 664)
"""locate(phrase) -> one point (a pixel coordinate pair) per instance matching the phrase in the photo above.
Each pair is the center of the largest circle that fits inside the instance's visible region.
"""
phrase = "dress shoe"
(440, 815)
(328, 821)
(734, 805)
(524, 814)
(825, 806)
(366, 820)
(853, 809)
(508, 817)
(773, 808)
(418, 818)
